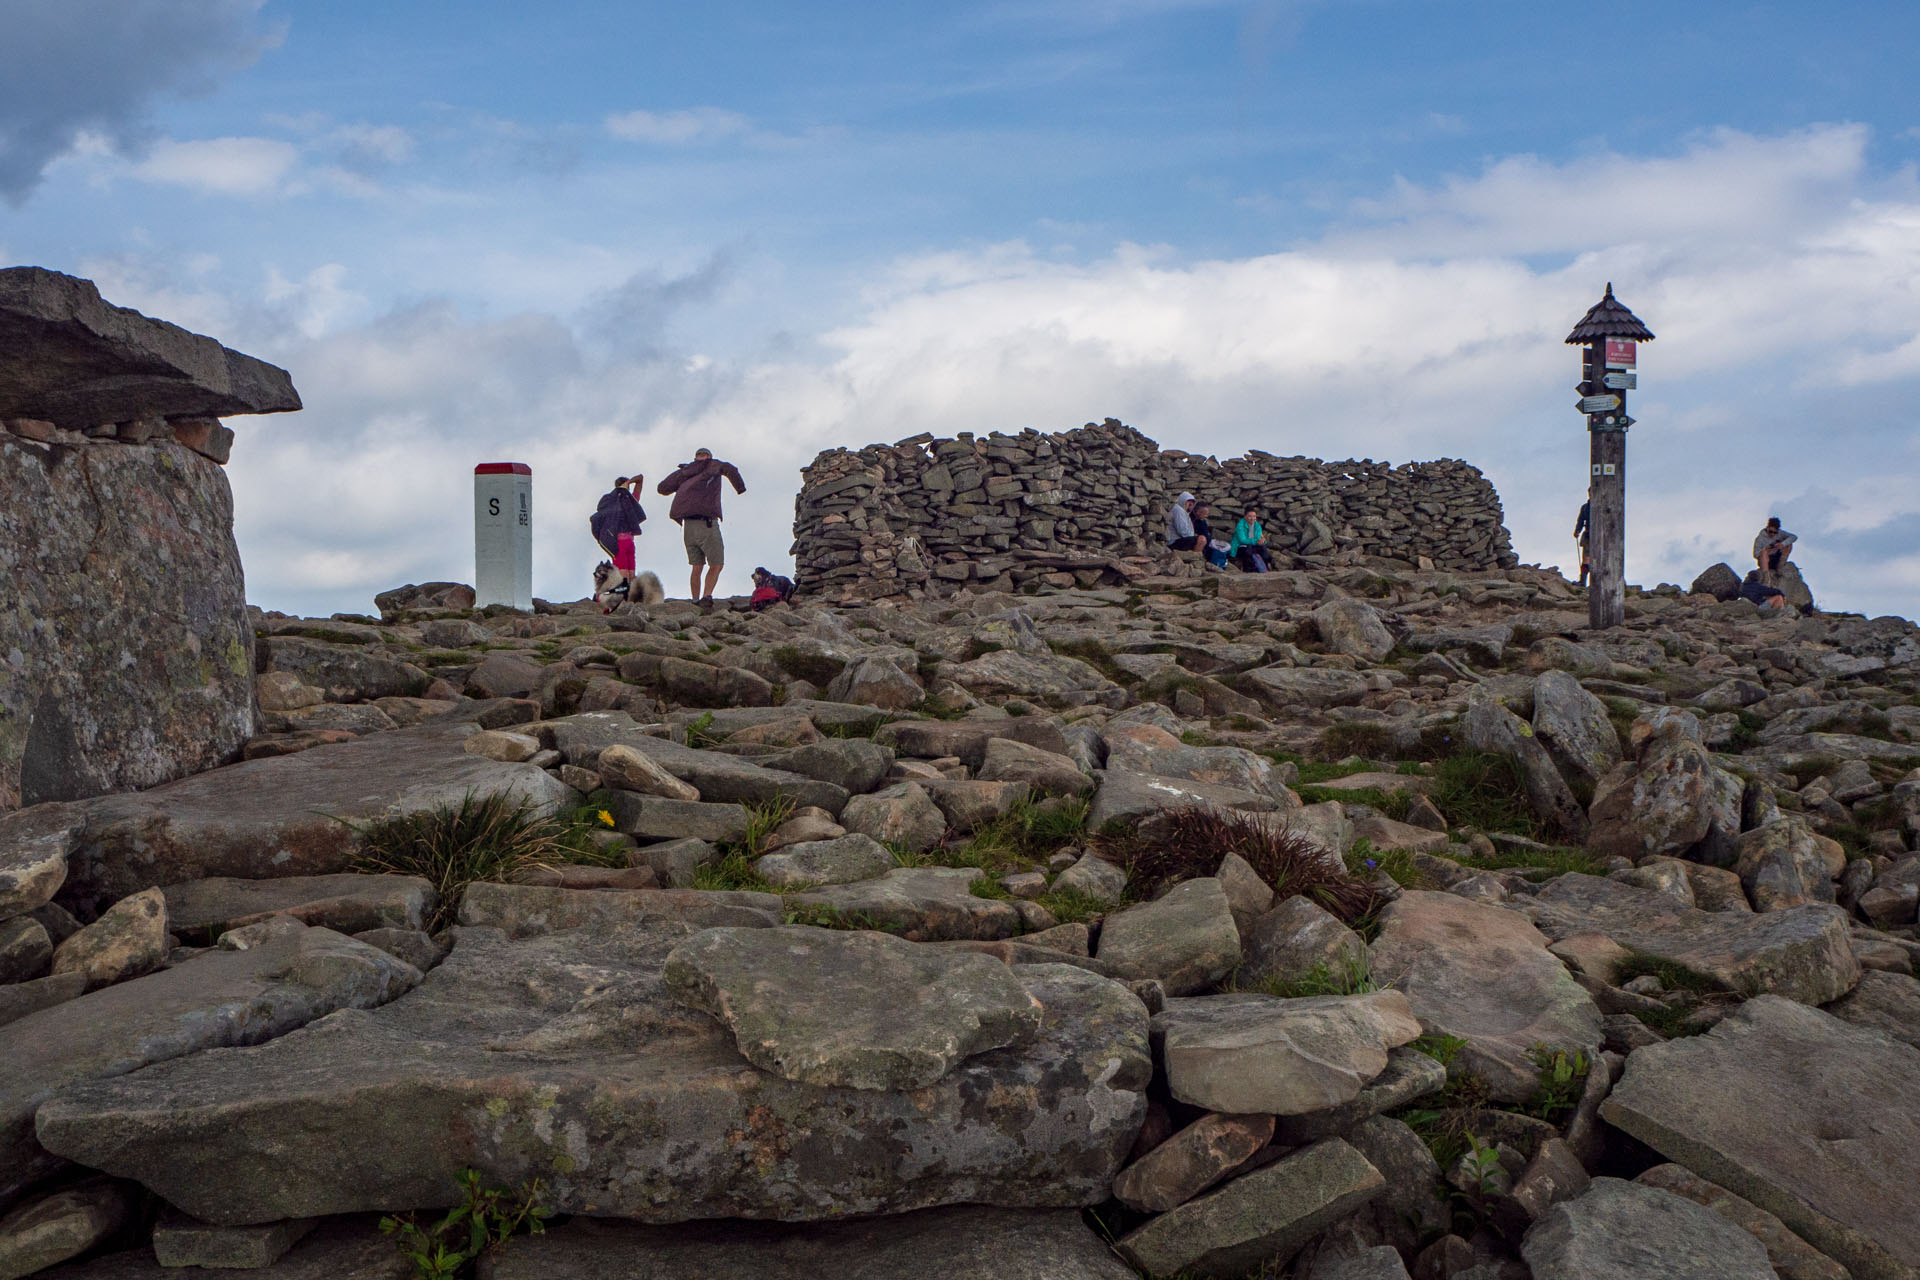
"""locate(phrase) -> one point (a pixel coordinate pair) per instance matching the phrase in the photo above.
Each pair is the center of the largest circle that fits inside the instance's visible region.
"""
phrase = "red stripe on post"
(503, 469)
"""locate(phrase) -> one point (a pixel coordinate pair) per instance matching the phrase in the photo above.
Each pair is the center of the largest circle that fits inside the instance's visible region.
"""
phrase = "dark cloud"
(632, 318)
(69, 67)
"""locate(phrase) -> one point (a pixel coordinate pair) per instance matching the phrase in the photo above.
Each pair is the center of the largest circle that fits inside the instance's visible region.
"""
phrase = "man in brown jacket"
(696, 509)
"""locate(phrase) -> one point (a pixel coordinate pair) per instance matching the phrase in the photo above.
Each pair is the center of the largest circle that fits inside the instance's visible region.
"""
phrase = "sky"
(593, 236)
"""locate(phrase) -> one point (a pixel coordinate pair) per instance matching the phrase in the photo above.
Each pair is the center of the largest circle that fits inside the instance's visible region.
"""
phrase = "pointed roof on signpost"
(1608, 318)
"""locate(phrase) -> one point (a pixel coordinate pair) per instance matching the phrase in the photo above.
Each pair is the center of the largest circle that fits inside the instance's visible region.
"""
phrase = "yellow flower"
(606, 817)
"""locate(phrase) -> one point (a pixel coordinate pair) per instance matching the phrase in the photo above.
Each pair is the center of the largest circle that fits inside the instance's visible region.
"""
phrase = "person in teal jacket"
(1250, 543)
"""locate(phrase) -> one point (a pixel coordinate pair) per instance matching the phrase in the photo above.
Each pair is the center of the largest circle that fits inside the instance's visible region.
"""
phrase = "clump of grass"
(763, 819)
(1070, 906)
(1180, 844)
(1445, 1121)
(1312, 771)
(1442, 1048)
(821, 915)
(1562, 1079)
(479, 1225)
(1029, 830)
(1485, 791)
(482, 838)
(1559, 859)
(1363, 861)
(1353, 739)
(1394, 804)
(1348, 978)
(1671, 976)
(732, 870)
(700, 732)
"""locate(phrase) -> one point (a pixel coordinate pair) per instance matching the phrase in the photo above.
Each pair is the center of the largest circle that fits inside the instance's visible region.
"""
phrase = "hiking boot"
(706, 603)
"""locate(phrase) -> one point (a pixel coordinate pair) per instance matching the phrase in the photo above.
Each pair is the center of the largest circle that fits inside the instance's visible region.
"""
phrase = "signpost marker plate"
(1599, 404)
(1622, 382)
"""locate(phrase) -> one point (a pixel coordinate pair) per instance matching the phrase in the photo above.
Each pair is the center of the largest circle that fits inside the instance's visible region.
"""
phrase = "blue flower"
(1372, 863)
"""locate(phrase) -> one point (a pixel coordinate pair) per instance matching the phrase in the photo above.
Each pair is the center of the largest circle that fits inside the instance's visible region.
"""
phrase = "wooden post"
(1607, 528)
(1607, 323)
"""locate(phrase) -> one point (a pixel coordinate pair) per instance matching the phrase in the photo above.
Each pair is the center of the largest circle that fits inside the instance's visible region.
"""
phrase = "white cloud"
(676, 128)
(1762, 395)
(221, 166)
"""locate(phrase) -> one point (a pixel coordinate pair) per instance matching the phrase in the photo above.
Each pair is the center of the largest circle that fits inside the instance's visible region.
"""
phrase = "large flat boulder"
(1810, 1118)
(1265, 1215)
(102, 694)
(860, 1010)
(1484, 974)
(1185, 938)
(1802, 953)
(346, 902)
(1126, 797)
(1625, 1231)
(1247, 1053)
(288, 815)
(70, 357)
(343, 1249)
(563, 1056)
(217, 998)
(525, 910)
(961, 1243)
(926, 904)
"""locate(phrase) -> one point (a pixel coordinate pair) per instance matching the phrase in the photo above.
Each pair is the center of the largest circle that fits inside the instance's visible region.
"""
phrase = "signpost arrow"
(1599, 404)
(1623, 382)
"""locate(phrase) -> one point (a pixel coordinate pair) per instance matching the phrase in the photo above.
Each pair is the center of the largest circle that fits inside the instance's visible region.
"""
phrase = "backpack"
(596, 525)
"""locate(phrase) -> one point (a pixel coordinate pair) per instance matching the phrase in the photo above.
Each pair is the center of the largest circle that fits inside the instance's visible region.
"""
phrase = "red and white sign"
(1620, 353)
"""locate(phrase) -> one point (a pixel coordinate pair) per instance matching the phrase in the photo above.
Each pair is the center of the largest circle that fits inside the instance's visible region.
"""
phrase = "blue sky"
(593, 236)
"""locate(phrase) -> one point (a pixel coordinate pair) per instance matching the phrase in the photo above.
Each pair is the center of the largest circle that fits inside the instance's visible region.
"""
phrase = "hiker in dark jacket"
(1762, 592)
(696, 509)
(616, 524)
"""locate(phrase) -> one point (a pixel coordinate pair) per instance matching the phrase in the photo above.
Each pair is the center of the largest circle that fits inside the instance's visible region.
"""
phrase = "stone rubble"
(921, 970)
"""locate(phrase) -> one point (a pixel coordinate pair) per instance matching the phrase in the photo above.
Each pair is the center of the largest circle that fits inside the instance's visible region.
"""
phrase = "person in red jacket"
(695, 487)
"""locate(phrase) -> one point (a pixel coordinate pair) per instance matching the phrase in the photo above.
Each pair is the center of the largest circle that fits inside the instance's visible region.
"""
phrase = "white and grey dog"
(611, 587)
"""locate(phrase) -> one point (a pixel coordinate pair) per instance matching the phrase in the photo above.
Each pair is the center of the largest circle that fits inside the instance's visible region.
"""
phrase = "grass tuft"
(485, 838)
(1484, 791)
(1182, 844)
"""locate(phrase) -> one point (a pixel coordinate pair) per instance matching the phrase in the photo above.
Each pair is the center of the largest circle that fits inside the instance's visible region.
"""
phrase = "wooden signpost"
(1609, 332)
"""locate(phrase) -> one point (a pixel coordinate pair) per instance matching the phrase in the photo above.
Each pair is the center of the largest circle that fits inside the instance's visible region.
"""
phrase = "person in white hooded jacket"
(1180, 534)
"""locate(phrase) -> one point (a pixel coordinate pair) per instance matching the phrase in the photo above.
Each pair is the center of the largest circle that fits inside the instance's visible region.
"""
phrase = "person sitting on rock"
(1771, 546)
(1213, 551)
(1761, 592)
(1180, 533)
(1249, 545)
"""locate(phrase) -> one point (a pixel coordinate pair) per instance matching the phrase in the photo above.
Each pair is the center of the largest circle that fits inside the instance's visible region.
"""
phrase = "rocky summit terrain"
(1346, 922)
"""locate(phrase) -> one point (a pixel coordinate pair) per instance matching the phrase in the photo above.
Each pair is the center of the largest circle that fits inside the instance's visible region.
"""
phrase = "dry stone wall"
(926, 515)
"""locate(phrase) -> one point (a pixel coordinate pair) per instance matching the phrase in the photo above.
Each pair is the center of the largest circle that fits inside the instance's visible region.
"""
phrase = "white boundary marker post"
(503, 535)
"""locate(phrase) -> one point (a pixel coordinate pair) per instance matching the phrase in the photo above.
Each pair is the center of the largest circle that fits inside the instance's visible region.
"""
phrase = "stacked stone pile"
(117, 523)
(1087, 506)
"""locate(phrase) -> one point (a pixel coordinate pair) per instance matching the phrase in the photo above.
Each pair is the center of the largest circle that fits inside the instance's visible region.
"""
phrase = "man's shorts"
(703, 542)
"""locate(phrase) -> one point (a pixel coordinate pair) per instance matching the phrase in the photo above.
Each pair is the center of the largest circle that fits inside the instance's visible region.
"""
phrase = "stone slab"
(74, 359)
(288, 815)
(562, 1056)
(1810, 1118)
(215, 999)
(963, 1243)
(858, 1010)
